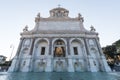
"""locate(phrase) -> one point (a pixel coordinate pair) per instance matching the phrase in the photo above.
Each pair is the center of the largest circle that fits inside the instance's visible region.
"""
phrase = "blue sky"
(104, 15)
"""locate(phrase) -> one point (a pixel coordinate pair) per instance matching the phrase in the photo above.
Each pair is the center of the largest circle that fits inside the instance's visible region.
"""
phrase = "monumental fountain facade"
(59, 43)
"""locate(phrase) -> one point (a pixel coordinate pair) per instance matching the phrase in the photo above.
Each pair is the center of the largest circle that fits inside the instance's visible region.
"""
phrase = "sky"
(104, 15)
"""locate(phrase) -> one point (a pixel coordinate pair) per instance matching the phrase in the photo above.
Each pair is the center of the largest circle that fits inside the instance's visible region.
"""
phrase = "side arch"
(41, 44)
(76, 45)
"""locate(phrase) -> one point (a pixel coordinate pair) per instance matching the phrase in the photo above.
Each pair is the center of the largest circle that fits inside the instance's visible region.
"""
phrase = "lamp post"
(12, 46)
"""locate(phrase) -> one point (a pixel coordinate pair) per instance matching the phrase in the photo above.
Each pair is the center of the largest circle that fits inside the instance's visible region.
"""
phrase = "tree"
(117, 44)
(109, 51)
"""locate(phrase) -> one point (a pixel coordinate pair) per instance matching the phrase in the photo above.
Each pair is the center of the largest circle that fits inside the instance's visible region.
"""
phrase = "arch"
(59, 42)
(76, 47)
(41, 47)
(41, 39)
(59, 39)
(77, 40)
(59, 46)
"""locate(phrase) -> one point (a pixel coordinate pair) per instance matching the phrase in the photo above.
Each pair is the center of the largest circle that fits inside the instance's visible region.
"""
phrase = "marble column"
(86, 46)
(104, 64)
(32, 46)
(91, 65)
(68, 46)
(50, 46)
(20, 46)
(98, 46)
(15, 62)
(30, 53)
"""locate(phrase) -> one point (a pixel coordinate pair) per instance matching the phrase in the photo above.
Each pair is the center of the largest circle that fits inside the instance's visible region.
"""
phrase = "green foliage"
(7, 63)
(112, 52)
(109, 51)
(117, 43)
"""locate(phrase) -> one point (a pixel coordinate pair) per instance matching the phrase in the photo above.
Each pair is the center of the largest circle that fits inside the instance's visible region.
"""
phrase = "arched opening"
(41, 51)
(76, 48)
(59, 48)
(42, 48)
(77, 51)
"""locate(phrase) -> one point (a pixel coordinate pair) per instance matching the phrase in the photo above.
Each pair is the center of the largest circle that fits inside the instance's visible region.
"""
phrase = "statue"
(37, 18)
(66, 14)
(52, 14)
(25, 29)
(59, 51)
(38, 15)
(92, 28)
(80, 17)
(58, 14)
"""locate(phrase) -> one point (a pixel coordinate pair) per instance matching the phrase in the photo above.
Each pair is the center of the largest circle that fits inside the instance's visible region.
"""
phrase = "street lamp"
(12, 46)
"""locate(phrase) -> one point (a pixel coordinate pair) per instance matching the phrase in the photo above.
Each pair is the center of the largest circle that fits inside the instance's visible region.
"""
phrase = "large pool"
(60, 76)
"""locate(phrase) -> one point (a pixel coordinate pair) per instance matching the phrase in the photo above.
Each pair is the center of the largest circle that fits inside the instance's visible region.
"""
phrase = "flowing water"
(60, 76)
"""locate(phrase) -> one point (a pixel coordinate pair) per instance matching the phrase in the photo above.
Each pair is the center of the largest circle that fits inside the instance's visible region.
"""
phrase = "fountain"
(59, 43)
(60, 65)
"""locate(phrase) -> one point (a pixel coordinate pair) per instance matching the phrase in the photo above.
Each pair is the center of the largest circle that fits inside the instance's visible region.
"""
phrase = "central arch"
(59, 48)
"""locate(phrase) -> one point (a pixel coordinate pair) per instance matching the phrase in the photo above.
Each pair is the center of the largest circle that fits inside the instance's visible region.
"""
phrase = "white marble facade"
(61, 44)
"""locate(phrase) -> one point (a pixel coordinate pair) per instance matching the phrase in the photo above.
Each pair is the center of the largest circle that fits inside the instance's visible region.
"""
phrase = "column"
(91, 65)
(68, 46)
(99, 47)
(50, 46)
(15, 62)
(86, 46)
(30, 53)
(32, 46)
(19, 47)
(104, 65)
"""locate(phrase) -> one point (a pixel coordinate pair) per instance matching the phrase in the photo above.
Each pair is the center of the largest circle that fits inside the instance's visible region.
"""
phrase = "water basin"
(60, 76)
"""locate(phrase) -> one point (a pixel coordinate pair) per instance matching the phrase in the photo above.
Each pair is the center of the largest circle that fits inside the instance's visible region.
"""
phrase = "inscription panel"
(59, 25)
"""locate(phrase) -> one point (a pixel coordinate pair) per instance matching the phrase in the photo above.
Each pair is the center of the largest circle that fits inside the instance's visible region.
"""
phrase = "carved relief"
(59, 12)
(92, 28)
(41, 65)
(23, 64)
(27, 42)
(25, 51)
(59, 62)
(94, 63)
(37, 19)
(25, 29)
(80, 17)
(91, 42)
(78, 65)
(93, 50)
(59, 65)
